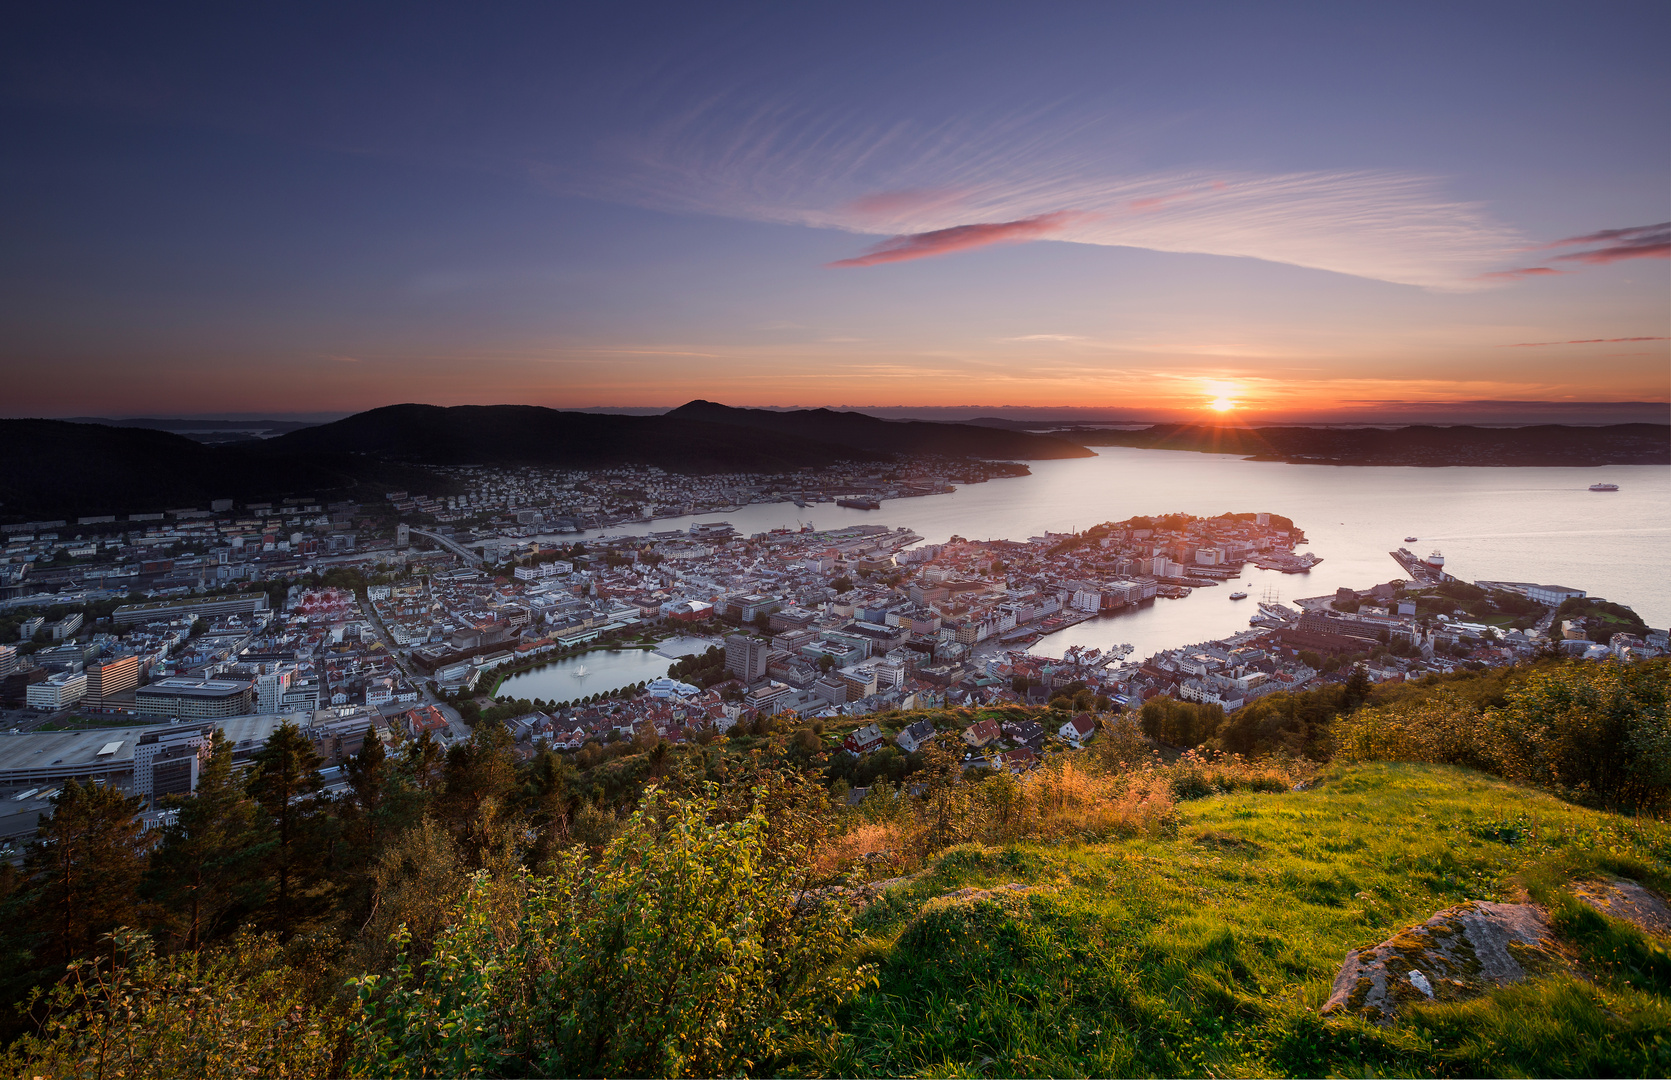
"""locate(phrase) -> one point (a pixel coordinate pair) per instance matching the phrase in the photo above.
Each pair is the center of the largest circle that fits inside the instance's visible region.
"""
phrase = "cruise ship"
(1604, 487)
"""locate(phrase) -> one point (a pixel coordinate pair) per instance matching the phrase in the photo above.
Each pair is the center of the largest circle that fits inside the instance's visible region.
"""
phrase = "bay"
(1506, 524)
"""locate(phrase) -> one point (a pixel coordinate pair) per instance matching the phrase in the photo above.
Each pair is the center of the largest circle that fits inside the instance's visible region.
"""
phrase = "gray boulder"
(1457, 954)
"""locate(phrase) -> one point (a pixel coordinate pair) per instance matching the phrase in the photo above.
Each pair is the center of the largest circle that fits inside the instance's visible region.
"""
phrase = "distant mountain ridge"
(891, 436)
(56, 469)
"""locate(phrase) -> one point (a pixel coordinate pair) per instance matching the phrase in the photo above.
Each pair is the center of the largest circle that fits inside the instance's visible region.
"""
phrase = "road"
(457, 729)
(472, 557)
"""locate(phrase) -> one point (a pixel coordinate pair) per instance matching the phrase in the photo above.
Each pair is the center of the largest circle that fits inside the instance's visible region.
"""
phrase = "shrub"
(232, 1012)
(686, 950)
(1593, 732)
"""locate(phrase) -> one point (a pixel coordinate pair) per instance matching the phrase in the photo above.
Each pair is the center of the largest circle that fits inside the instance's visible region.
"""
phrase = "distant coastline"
(1545, 445)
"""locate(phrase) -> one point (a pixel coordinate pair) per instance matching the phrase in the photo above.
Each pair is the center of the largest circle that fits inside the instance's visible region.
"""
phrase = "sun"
(1222, 404)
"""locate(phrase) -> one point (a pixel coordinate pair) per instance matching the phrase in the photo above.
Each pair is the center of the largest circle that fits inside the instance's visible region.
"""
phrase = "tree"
(85, 865)
(479, 780)
(826, 662)
(200, 872)
(1357, 688)
(285, 772)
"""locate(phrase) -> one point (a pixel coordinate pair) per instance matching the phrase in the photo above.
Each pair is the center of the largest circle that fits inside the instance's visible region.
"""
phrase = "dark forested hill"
(54, 468)
(898, 437)
(530, 435)
(1546, 445)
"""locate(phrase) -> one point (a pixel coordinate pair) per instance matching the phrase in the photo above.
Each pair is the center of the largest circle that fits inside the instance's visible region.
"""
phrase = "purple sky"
(1315, 211)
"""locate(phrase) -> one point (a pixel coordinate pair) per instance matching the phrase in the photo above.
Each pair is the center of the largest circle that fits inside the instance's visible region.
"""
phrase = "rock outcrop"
(1457, 954)
(1628, 902)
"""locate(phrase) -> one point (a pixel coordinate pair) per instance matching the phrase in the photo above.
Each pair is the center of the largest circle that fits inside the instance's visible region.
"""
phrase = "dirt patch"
(1628, 902)
(1226, 842)
(1457, 954)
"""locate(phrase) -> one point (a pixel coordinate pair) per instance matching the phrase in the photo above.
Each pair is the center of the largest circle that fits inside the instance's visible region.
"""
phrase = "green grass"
(1210, 952)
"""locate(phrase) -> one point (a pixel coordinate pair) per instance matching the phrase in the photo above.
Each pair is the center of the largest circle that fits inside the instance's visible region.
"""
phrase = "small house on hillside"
(981, 734)
(864, 740)
(1078, 731)
(916, 736)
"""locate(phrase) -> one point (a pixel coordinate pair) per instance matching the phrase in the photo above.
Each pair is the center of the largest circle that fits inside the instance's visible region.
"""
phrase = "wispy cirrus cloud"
(881, 176)
(1638, 242)
(960, 238)
(1520, 272)
(1581, 341)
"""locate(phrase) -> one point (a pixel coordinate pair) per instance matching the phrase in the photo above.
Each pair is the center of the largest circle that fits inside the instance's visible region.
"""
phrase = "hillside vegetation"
(727, 907)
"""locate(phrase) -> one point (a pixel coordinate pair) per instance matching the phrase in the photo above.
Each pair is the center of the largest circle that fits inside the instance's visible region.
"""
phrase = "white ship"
(1238, 595)
(1604, 487)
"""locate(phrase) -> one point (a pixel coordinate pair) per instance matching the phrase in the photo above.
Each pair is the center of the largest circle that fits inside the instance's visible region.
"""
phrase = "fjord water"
(1505, 524)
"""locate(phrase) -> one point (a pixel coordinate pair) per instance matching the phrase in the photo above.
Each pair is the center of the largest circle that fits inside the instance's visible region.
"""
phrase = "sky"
(1275, 211)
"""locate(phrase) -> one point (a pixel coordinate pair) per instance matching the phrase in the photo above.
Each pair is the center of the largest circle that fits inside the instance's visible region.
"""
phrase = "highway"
(471, 557)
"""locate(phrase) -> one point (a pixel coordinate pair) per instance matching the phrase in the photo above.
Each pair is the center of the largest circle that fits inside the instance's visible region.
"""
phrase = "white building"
(59, 691)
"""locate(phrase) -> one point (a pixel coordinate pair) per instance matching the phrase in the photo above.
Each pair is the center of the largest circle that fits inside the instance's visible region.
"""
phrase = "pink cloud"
(961, 238)
(1520, 272)
(1582, 341)
(1637, 242)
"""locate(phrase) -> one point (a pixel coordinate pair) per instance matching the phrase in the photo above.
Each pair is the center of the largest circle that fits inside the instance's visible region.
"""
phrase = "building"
(1078, 730)
(66, 627)
(338, 738)
(110, 677)
(745, 657)
(196, 699)
(201, 608)
(863, 740)
(981, 734)
(916, 736)
(8, 660)
(58, 691)
(167, 762)
(1552, 595)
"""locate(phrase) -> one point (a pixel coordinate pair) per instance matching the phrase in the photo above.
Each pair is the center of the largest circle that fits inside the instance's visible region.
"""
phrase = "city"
(377, 620)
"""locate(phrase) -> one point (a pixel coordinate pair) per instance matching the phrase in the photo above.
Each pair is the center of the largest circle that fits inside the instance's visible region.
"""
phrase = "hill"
(1543, 445)
(890, 436)
(531, 435)
(57, 468)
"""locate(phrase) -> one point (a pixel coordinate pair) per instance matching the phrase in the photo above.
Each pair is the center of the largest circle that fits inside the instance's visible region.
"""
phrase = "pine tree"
(84, 865)
(284, 772)
(201, 871)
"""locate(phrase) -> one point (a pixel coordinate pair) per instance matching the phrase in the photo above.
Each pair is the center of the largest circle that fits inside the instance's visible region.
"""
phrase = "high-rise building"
(745, 657)
(167, 762)
(107, 678)
(8, 660)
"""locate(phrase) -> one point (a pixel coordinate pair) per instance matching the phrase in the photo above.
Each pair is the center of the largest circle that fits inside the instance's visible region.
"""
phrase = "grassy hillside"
(1209, 952)
(730, 906)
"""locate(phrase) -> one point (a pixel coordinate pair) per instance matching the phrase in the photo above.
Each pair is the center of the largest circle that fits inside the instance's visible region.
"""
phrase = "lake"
(1514, 524)
(606, 669)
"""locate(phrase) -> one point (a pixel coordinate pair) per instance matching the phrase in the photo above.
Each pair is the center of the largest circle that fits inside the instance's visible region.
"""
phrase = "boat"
(1410, 539)
(859, 504)
(580, 672)
(1604, 487)
(1238, 595)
